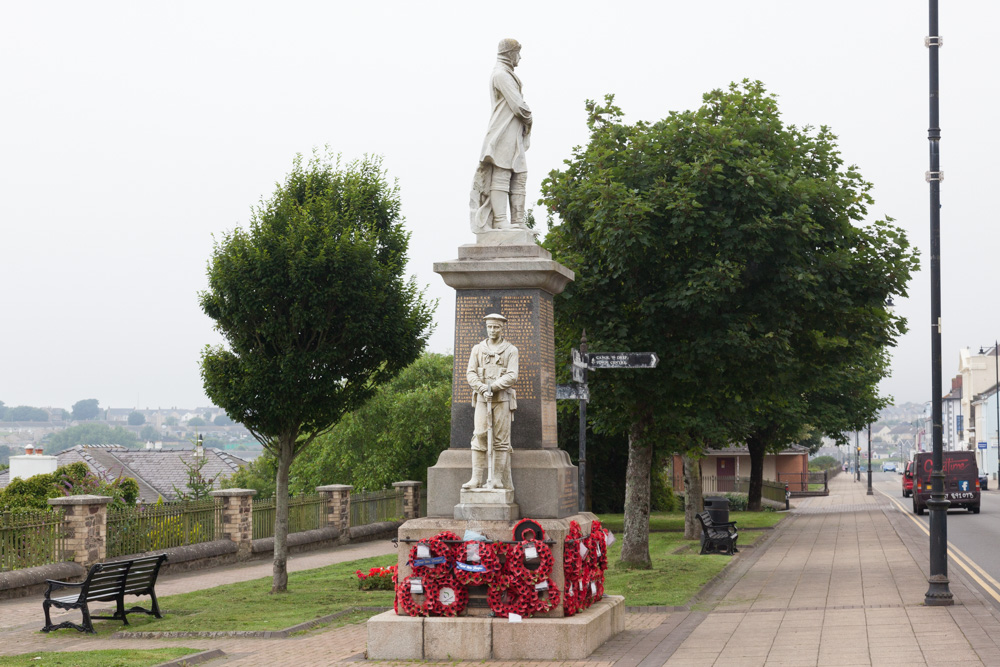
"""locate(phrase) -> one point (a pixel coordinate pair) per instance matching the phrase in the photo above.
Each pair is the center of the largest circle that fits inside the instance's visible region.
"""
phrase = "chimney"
(29, 449)
(158, 446)
(38, 450)
(149, 444)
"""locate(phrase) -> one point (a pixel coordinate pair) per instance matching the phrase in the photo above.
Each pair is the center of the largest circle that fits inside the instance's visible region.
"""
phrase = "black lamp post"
(857, 458)
(870, 492)
(938, 591)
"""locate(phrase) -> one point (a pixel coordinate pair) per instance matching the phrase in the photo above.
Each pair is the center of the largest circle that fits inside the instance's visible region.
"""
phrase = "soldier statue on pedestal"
(491, 373)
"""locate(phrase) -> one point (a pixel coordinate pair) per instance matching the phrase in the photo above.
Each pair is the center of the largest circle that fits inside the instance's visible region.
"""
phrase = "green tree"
(26, 413)
(136, 419)
(73, 479)
(171, 421)
(397, 434)
(196, 421)
(88, 434)
(222, 420)
(86, 409)
(149, 433)
(198, 485)
(313, 304)
(721, 239)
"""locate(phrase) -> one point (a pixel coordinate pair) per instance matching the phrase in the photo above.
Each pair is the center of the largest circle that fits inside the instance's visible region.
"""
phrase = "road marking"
(963, 561)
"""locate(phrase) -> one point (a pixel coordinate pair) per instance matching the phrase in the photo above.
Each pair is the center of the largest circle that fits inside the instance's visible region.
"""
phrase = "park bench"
(717, 536)
(106, 582)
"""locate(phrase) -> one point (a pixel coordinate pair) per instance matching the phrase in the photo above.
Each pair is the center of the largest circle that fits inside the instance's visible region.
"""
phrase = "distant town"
(57, 429)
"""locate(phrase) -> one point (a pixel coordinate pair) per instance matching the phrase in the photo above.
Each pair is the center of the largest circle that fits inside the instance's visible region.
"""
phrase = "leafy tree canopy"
(222, 420)
(88, 408)
(732, 245)
(89, 434)
(196, 421)
(149, 433)
(136, 419)
(23, 413)
(315, 310)
(397, 434)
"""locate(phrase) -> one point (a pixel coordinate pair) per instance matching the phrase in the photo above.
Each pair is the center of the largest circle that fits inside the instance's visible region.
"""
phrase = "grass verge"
(248, 605)
(674, 521)
(674, 578)
(109, 658)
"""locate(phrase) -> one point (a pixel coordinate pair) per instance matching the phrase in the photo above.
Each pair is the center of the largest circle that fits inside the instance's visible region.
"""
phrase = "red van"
(961, 480)
(908, 479)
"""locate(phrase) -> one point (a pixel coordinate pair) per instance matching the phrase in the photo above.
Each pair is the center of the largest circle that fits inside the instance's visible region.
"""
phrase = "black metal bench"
(106, 582)
(717, 536)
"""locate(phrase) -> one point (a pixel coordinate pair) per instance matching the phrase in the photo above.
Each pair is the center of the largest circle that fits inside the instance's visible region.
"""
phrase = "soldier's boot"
(501, 472)
(517, 211)
(478, 470)
(498, 202)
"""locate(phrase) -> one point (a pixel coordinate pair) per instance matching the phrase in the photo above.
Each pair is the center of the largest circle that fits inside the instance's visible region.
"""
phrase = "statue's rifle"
(489, 435)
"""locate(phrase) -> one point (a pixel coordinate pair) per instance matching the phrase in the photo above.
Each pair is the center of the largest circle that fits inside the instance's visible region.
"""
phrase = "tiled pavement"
(840, 582)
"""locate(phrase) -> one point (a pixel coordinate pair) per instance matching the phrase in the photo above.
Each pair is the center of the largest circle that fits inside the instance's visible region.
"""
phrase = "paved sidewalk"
(840, 582)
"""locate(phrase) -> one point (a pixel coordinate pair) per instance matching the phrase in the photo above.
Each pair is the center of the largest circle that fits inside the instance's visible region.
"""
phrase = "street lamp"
(938, 591)
(857, 458)
(870, 492)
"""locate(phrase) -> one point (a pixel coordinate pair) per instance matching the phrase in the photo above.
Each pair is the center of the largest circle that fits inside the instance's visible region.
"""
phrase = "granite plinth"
(486, 496)
(510, 236)
(487, 511)
(462, 638)
(545, 482)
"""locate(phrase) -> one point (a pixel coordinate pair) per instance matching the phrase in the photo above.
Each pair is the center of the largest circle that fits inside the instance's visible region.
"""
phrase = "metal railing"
(808, 482)
(305, 512)
(769, 490)
(31, 537)
(373, 506)
(143, 528)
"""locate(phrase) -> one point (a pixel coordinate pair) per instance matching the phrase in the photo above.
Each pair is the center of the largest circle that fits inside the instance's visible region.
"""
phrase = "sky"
(133, 133)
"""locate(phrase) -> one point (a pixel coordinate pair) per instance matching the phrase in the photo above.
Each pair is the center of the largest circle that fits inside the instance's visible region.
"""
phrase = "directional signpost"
(601, 360)
(578, 390)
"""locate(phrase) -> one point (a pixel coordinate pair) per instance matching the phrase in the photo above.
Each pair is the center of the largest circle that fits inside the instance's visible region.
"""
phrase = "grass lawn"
(674, 578)
(248, 605)
(111, 658)
(674, 521)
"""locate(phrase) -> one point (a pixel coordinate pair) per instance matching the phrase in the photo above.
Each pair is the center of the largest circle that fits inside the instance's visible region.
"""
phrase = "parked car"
(984, 482)
(888, 466)
(961, 480)
(908, 479)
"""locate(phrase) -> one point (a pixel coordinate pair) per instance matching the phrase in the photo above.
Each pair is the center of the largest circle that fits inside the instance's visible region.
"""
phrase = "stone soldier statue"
(491, 373)
(503, 171)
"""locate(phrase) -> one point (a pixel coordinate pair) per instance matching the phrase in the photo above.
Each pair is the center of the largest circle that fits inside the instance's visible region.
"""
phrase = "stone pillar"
(338, 504)
(85, 521)
(411, 499)
(514, 276)
(236, 517)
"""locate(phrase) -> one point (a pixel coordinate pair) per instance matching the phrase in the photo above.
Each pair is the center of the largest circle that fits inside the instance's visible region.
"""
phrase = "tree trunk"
(635, 542)
(694, 501)
(757, 446)
(286, 450)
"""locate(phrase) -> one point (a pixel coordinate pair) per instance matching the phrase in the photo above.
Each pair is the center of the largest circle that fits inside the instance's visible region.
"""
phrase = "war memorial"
(505, 565)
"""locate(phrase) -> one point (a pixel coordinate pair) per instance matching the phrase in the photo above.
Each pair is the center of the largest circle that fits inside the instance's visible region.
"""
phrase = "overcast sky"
(133, 131)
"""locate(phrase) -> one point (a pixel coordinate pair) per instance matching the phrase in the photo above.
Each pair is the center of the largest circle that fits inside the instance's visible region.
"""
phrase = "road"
(972, 538)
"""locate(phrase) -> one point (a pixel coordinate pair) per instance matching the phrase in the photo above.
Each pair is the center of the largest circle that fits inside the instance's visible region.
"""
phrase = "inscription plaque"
(530, 327)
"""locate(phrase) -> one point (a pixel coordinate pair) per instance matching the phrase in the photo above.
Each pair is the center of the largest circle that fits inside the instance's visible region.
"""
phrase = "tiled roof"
(156, 471)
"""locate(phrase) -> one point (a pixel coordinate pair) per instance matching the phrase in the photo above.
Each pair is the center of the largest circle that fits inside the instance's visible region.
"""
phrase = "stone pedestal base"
(392, 637)
(545, 483)
(487, 505)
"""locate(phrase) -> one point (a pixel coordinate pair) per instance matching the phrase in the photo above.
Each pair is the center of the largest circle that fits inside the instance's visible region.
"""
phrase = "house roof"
(156, 471)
